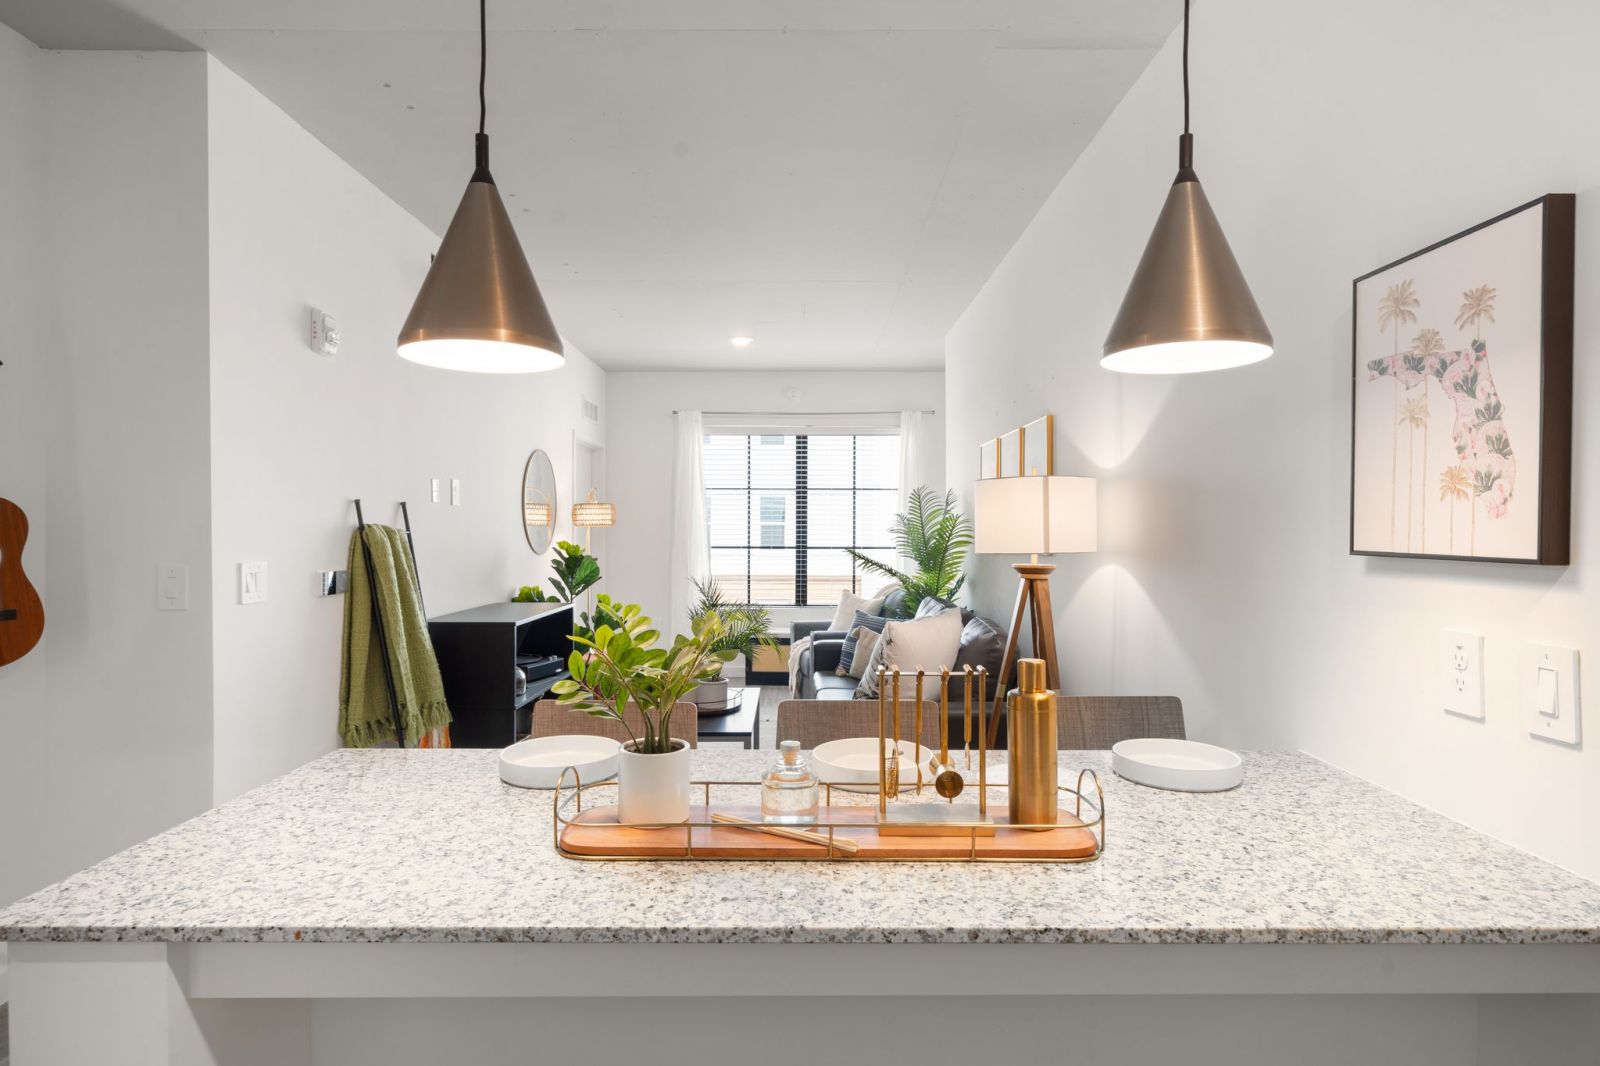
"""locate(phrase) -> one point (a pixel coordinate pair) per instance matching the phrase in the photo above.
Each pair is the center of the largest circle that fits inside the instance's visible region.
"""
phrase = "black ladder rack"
(377, 616)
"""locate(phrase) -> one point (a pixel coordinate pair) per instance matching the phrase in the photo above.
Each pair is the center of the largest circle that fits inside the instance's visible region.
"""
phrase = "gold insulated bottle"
(1031, 726)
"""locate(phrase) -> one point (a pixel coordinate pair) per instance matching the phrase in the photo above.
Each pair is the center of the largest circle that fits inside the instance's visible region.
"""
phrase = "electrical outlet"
(1461, 673)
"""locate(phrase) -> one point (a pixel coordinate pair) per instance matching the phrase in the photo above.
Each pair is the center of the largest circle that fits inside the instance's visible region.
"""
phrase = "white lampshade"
(1035, 516)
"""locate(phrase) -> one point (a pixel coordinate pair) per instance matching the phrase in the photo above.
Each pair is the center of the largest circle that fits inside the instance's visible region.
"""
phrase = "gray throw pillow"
(847, 653)
(866, 644)
(981, 645)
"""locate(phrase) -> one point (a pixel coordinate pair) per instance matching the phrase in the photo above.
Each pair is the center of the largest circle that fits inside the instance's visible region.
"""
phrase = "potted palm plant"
(745, 627)
(623, 665)
(934, 535)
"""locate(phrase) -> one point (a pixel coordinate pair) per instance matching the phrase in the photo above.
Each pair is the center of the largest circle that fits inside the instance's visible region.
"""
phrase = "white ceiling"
(836, 179)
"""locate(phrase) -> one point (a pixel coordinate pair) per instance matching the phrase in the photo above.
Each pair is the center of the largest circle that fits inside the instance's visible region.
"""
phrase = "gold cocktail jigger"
(946, 780)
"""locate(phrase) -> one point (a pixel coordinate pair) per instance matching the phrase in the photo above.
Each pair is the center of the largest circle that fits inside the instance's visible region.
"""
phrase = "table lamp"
(1032, 516)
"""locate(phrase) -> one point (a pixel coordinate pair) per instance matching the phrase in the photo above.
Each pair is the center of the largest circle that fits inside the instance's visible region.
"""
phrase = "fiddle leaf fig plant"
(576, 571)
(622, 664)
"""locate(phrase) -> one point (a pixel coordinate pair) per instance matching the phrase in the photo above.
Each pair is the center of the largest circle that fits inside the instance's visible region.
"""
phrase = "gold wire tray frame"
(976, 833)
(826, 843)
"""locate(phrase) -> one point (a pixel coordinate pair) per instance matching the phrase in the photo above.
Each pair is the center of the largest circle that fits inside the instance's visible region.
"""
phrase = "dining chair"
(552, 719)
(1094, 723)
(814, 722)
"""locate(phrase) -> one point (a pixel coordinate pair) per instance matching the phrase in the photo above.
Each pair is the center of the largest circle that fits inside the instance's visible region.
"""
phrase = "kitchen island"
(398, 907)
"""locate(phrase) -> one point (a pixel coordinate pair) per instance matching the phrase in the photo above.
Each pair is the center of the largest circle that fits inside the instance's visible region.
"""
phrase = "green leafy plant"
(935, 536)
(745, 626)
(576, 572)
(607, 612)
(623, 665)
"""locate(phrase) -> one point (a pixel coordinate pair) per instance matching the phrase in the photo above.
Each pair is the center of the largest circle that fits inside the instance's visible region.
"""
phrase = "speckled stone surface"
(430, 846)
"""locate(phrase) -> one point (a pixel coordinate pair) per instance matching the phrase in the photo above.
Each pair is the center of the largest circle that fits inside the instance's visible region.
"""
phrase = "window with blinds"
(782, 508)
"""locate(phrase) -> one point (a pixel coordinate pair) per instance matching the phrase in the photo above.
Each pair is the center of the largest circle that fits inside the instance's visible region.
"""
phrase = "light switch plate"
(172, 587)
(252, 582)
(455, 492)
(433, 489)
(1551, 706)
(1461, 673)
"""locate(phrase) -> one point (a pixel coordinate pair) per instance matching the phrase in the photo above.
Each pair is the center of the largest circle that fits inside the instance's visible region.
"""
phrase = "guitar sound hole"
(8, 616)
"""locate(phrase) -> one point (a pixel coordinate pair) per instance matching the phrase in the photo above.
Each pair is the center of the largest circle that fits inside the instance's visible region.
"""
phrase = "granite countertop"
(377, 846)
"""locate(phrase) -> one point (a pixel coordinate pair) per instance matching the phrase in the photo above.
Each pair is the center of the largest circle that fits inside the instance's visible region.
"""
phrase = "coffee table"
(742, 722)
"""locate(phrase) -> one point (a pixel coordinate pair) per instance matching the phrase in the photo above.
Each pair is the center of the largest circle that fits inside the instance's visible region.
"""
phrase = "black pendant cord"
(1186, 142)
(482, 141)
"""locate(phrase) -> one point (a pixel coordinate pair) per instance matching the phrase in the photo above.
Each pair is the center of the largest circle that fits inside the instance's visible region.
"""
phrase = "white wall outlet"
(172, 587)
(433, 489)
(252, 582)
(324, 336)
(1550, 692)
(1461, 673)
(455, 492)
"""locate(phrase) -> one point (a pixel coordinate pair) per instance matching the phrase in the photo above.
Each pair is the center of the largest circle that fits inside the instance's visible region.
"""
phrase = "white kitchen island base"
(150, 1004)
(406, 907)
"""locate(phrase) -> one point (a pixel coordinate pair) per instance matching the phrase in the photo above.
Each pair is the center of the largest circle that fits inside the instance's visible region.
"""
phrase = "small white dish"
(852, 764)
(1177, 765)
(538, 761)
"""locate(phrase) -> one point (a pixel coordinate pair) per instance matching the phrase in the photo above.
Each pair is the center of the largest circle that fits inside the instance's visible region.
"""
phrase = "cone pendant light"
(1188, 307)
(479, 308)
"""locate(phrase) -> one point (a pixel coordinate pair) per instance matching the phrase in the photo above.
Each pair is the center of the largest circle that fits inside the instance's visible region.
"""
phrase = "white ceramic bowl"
(852, 764)
(1177, 765)
(538, 761)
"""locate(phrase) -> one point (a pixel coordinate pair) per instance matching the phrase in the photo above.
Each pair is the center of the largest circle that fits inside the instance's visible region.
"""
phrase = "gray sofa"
(982, 644)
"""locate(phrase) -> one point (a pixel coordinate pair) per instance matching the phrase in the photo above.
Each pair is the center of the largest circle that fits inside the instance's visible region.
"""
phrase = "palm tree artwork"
(1427, 344)
(1455, 483)
(1477, 307)
(1397, 307)
(1415, 416)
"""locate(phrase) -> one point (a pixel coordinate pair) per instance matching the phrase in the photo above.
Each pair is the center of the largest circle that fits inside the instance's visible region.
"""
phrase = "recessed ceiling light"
(741, 342)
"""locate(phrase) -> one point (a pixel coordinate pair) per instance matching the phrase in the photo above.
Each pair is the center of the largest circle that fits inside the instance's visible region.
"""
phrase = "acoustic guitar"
(21, 613)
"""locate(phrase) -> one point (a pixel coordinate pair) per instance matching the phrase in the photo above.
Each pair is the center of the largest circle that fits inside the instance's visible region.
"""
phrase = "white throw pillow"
(849, 604)
(930, 643)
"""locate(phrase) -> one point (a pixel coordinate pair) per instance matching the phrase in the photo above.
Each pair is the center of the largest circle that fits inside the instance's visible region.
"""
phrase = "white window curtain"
(691, 553)
(913, 443)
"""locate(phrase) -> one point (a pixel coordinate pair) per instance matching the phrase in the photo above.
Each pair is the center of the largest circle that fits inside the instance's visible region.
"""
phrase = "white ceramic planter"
(653, 788)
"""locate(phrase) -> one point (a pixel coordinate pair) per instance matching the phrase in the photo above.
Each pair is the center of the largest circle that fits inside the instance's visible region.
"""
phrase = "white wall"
(639, 449)
(1331, 139)
(107, 724)
(297, 436)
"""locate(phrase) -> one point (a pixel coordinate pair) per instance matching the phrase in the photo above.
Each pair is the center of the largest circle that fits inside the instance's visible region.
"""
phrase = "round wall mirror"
(539, 502)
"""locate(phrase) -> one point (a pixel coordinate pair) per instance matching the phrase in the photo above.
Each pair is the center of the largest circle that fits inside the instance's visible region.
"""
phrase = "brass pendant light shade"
(1188, 308)
(479, 308)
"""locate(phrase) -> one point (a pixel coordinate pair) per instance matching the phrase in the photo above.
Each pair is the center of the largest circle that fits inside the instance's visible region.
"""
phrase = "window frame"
(802, 546)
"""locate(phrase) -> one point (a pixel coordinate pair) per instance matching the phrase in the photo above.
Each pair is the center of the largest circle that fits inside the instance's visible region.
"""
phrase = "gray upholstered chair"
(1093, 723)
(814, 722)
(552, 719)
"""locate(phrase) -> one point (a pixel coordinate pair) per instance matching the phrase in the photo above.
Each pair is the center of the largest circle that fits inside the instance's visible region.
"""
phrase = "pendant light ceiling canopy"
(479, 308)
(1188, 307)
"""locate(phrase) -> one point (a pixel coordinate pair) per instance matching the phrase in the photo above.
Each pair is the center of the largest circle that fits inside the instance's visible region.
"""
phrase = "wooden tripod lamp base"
(1028, 516)
(1033, 600)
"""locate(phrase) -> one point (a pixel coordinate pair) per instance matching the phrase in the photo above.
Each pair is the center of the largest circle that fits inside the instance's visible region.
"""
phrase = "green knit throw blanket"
(366, 717)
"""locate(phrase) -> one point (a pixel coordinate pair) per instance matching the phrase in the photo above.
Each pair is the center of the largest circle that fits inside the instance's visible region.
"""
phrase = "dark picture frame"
(1484, 448)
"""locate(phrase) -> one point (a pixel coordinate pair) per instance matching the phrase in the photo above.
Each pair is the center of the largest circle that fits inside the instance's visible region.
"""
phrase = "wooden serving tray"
(596, 834)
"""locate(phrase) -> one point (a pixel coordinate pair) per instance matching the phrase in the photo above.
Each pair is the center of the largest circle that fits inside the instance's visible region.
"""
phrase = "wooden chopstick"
(849, 847)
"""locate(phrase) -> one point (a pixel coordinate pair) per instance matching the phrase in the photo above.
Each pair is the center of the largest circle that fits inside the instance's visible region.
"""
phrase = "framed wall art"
(1011, 453)
(989, 459)
(1461, 399)
(1038, 447)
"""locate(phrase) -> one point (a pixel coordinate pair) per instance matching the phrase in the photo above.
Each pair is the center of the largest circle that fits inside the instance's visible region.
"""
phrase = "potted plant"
(745, 627)
(934, 535)
(622, 665)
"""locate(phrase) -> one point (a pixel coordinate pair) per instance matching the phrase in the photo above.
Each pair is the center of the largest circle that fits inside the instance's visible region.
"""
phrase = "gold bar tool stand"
(930, 819)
